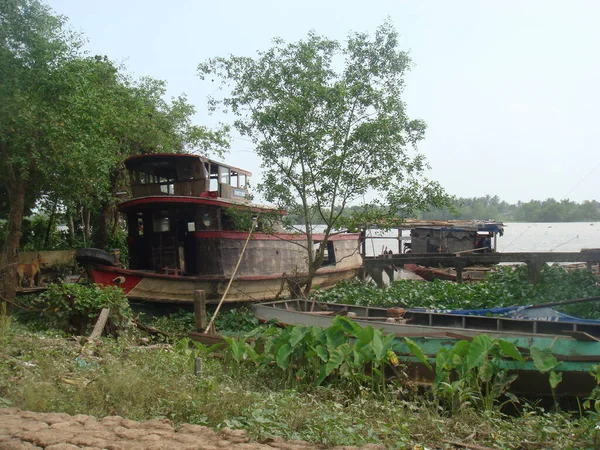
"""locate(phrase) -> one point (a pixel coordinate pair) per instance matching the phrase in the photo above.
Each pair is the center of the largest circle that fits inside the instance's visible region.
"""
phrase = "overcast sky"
(509, 90)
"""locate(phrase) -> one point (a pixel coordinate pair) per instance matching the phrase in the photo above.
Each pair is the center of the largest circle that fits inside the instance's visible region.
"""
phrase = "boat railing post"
(200, 310)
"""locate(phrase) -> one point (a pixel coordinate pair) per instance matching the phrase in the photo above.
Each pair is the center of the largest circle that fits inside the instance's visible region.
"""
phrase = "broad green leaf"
(335, 337)
(347, 325)
(377, 346)
(297, 334)
(510, 349)
(321, 353)
(543, 360)
(283, 356)
(478, 351)
(440, 360)
(364, 336)
(486, 372)
(322, 376)
(555, 378)
(417, 351)
(335, 360)
(461, 348)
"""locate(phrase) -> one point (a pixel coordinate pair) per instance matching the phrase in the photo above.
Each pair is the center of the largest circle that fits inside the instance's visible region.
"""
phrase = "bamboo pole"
(231, 279)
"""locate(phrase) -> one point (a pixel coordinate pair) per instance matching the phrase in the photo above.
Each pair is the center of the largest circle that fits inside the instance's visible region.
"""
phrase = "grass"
(42, 371)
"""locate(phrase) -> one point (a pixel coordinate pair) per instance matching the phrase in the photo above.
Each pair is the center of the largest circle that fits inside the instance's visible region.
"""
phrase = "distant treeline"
(491, 207)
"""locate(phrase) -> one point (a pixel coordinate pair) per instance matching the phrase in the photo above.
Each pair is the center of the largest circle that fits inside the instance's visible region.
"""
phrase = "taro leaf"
(297, 334)
(364, 336)
(555, 379)
(319, 334)
(486, 372)
(283, 355)
(544, 360)
(335, 337)
(512, 397)
(377, 345)
(417, 351)
(440, 360)
(510, 349)
(478, 351)
(336, 358)
(251, 353)
(238, 349)
(347, 325)
(322, 376)
(321, 352)
(461, 348)
(358, 358)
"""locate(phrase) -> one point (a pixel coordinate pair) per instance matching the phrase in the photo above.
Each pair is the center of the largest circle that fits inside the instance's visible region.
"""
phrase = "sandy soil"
(59, 431)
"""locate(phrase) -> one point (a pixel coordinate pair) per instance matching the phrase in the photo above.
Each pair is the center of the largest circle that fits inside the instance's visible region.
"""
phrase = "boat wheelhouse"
(184, 234)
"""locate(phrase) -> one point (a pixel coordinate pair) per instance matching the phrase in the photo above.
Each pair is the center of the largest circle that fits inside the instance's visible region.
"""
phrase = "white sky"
(509, 90)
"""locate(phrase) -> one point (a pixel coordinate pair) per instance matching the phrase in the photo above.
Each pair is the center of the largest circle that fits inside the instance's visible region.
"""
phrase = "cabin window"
(191, 227)
(328, 255)
(242, 182)
(140, 225)
(224, 175)
(160, 222)
(206, 220)
(234, 179)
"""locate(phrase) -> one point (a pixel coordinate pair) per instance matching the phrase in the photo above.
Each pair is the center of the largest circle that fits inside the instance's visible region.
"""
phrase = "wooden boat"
(183, 236)
(574, 343)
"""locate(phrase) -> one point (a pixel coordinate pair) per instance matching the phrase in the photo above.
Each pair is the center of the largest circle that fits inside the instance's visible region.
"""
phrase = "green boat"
(575, 343)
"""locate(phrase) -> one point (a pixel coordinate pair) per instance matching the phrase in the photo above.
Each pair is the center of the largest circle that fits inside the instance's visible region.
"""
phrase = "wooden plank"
(581, 336)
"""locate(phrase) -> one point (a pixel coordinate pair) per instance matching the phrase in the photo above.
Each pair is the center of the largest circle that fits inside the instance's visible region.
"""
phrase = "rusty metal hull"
(161, 288)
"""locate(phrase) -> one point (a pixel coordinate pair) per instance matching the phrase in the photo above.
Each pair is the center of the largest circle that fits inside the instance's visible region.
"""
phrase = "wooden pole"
(231, 279)
(200, 310)
(565, 302)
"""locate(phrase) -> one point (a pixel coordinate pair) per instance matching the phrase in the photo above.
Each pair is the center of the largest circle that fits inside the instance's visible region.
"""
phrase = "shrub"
(74, 307)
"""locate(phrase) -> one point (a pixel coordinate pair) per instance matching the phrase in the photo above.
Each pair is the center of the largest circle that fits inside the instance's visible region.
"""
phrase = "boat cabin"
(185, 175)
(173, 197)
(452, 236)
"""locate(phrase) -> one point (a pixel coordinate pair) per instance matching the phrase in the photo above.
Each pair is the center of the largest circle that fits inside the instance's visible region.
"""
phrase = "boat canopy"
(453, 225)
(185, 175)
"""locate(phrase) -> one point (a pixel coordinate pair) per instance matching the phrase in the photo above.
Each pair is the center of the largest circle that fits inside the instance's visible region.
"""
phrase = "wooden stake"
(200, 310)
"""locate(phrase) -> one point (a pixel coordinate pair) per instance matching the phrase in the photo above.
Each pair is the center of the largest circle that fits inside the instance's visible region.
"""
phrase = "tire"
(95, 256)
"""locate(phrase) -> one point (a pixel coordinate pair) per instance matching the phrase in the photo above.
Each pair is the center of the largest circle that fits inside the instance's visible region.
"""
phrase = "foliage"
(143, 383)
(328, 138)
(74, 307)
(505, 286)
(491, 207)
(480, 380)
(344, 354)
(231, 322)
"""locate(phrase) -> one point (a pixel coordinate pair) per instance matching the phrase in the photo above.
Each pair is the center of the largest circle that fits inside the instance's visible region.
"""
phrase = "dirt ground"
(26, 430)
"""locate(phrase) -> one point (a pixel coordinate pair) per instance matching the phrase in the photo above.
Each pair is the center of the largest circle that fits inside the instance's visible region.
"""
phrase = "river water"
(518, 237)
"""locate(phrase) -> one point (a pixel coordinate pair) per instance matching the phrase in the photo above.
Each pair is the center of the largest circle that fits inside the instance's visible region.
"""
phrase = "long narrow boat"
(188, 227)
(575, 343)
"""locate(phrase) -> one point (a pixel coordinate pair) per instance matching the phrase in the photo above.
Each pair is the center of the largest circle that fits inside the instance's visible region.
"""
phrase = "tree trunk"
(85, 221)
(71, 227)
(103, 225)
(50, 224)
(16, 199)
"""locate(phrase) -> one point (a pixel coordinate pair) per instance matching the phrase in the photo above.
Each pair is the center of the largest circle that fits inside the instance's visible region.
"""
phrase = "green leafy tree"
(33, 47)
(330, 138)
